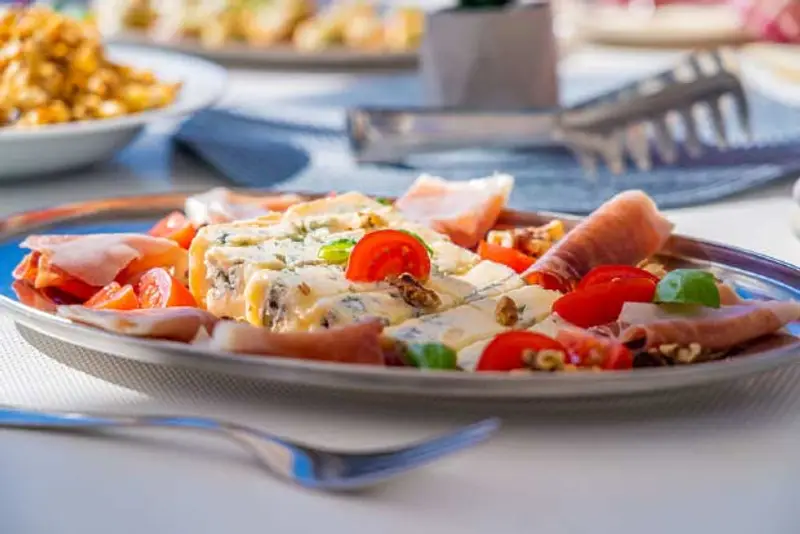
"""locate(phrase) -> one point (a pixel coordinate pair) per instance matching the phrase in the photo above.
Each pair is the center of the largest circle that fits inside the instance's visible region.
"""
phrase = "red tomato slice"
(588, 350)
(504, 352)
(27, 268)
(609, 273)
(601, 303)
(386, 253)
(159, 289)
(176, 227)
(114, 297)
(48, 275)
(507, 256)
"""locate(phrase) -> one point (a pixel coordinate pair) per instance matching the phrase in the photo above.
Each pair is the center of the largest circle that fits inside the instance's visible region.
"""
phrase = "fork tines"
(663, 108)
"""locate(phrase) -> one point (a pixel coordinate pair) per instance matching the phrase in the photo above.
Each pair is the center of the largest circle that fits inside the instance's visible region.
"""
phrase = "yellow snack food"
(53, 69)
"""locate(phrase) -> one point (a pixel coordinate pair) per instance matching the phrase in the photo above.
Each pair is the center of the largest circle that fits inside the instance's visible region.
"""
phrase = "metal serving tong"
(611, 128)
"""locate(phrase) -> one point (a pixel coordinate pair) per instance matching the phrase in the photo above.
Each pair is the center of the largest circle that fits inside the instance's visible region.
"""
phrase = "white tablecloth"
(721, 461)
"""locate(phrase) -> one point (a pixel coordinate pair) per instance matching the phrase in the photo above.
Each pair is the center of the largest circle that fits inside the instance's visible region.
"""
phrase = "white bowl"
(56, 148)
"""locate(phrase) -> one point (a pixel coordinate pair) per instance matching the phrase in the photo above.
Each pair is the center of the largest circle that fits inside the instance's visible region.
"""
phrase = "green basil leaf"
(419, 238)
(431, 356)
(337, 251)
(688, 286)
(384, 201)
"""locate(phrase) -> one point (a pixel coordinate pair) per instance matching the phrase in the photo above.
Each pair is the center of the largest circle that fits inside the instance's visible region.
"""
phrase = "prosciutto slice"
(651, 325)
(625, 230)
(175, 324)
(97, 259)
(463, 210)
(220, 205)
(354, 343)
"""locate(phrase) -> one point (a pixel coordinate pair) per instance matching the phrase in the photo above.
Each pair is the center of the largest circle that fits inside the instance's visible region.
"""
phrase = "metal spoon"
(308, 466)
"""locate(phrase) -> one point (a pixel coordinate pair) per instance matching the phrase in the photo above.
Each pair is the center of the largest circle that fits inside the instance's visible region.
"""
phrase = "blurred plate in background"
(773, 69)
(669, 26)
(284, 56)
(47, 149)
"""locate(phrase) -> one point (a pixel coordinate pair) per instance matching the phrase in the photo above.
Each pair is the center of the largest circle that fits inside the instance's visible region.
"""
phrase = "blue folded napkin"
(303, 146)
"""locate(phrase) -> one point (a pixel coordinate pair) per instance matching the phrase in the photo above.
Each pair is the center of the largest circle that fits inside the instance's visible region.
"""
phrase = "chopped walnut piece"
(506, 311)
(654, 268)
(544, 360)
(304, 288)
(503, 238)
(674, 354)
(369, 220)
(533, 246)
(414, 293)
(533, 240)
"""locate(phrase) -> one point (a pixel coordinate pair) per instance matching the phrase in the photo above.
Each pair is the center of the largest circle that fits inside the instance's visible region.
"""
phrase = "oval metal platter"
(753, 276)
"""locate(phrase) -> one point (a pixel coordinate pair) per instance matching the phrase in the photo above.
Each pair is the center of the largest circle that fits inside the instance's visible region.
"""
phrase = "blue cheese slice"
(486, 279)
(346, 203)
(386, 305)
(455, 328)
(281, 299)
(533, 304)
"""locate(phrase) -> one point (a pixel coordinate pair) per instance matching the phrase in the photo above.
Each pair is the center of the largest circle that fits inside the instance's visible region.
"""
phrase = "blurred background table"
(758, 220)
(725, 461)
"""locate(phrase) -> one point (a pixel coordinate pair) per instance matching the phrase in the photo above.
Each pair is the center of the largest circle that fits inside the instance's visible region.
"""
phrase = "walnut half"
(506, 312)
(544, 360)
(414, 293)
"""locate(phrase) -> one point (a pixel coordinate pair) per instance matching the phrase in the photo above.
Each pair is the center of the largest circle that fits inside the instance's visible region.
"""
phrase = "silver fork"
(613, 128)
(308, 466)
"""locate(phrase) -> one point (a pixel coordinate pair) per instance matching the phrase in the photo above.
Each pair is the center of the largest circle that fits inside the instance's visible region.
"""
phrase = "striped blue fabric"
(302, 146)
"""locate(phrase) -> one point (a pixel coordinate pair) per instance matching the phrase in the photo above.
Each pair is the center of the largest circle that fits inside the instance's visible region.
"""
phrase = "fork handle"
(22, 418)
(379, 135)
(277, 455)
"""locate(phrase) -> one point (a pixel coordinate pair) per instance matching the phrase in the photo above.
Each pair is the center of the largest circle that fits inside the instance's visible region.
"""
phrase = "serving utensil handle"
(379, 135)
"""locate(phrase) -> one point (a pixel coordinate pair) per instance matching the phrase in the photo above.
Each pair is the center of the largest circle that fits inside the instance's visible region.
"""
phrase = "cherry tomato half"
(608, 273)
(114, 297)
(548, 281)
(159, 289)
(587, 350)
(602, 303)
(48, 275)
(510, 257)
(386, 253)
(175, 227)
(504, 352)
(27, 268)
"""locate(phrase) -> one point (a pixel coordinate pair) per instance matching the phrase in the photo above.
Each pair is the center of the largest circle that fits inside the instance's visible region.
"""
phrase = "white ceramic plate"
(278, 57)
(773, 70)
(752, 275)
(40, 151)
(674, 26)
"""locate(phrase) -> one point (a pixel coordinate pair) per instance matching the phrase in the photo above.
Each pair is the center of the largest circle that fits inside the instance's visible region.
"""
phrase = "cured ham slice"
(97, 259)
(651, 325)
(465, 211)
(175, 324)
(220, 205)
(34, 298)
(625, 230)
(354, 343)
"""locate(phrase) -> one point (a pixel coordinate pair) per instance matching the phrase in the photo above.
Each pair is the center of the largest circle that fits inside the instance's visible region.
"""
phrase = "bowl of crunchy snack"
(68, 101)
